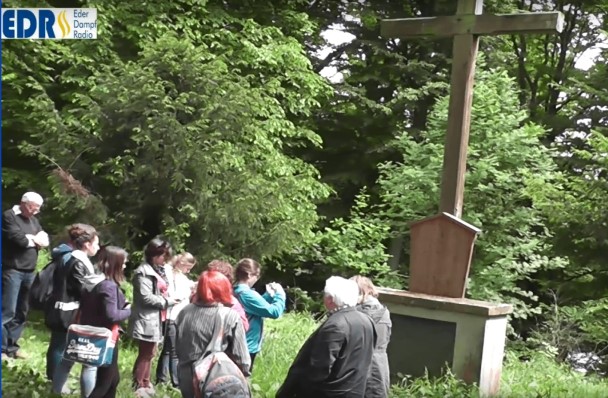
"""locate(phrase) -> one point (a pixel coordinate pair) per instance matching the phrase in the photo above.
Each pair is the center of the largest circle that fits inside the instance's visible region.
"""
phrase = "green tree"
(180, 121)
(510, 179)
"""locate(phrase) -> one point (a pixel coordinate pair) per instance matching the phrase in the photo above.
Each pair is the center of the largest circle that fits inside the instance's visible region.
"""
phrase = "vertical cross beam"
(459, 114)
(466, 27)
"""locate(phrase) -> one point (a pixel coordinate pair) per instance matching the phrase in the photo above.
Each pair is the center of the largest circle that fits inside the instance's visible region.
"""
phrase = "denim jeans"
(55, 352)
(15, 306)
(167, 363)
(88, 376)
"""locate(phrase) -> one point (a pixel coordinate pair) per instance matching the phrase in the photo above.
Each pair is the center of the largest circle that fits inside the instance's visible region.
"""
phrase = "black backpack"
(42, 287)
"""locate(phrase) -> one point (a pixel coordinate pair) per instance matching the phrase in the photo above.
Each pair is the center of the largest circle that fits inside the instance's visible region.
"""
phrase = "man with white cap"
(22, 237)
(335, 360)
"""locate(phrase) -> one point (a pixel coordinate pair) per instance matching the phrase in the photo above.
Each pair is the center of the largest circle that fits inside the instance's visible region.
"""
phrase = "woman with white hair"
(378, 382)
(335, 360)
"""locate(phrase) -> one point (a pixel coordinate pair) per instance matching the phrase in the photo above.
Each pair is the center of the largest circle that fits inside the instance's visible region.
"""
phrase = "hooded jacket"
(102, 303)
(68, 282)
(378, 381)
(62, 250)
(145, 322)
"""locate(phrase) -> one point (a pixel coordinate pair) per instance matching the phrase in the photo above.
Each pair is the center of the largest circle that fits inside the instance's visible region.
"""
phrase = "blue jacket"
(62, 250)
(258, 307)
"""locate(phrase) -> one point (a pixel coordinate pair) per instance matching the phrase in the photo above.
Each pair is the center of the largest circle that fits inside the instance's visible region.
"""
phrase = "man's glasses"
(33, 208)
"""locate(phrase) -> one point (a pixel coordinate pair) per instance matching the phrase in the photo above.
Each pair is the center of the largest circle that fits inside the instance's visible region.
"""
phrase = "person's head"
(184, 262)
(340, 292)
(222, 267)
(366, 287)
(214, 287)
(112, 262)
(157, 252)
(30, 205)
(84, 237)
(247, 271)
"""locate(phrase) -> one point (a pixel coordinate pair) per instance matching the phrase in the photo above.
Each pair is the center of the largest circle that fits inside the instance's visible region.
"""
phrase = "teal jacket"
(258, 307)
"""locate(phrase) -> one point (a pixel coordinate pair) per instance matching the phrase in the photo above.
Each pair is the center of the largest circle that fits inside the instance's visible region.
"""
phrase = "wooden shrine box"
(440, 258)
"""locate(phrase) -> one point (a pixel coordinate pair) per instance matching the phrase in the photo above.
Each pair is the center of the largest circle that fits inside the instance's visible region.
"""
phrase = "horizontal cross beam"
(485, 24)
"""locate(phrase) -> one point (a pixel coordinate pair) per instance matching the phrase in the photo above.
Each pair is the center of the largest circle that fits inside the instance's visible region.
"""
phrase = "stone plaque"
(419, 342)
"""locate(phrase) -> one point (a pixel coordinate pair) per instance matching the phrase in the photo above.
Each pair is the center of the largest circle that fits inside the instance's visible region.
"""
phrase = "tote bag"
(90, 345)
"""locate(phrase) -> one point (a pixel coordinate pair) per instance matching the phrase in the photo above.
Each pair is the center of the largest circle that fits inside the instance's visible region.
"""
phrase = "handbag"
(91, 345)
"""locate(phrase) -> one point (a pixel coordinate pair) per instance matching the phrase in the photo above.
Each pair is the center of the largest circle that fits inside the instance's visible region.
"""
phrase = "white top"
(180, 288)
(82, 256)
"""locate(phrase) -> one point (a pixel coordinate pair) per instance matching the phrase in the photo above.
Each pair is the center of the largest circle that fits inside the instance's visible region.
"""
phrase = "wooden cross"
(466, 27)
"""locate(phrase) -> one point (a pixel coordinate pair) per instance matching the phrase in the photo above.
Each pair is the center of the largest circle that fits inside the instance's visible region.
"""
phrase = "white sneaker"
(64, 391)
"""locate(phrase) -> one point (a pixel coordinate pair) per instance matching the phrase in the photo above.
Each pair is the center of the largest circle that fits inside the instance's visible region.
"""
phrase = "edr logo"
(22, 24)
(49, 23)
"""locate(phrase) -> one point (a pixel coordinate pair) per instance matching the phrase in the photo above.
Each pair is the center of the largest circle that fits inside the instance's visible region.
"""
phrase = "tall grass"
(282, 340)
(539, 377)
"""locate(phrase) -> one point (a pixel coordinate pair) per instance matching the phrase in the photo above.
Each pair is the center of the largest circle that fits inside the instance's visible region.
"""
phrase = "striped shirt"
(195, 324)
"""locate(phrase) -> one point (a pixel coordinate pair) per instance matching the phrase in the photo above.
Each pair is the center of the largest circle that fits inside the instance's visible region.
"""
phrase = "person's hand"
(270, 289)
(279, 289)
(275, 288)
(127, 306)
(172, 301)
(41, 239)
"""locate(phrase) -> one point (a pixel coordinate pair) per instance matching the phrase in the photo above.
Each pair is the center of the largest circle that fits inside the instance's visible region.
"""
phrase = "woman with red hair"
(195, 328)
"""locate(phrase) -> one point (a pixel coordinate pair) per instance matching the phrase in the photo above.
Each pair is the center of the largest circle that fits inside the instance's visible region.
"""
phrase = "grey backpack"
(215, 375)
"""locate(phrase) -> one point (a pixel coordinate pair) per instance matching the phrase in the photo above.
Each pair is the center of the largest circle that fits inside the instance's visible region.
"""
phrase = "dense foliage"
(189, 133)
(510, 179)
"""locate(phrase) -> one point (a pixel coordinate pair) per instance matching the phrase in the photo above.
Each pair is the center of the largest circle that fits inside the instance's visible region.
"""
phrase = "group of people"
(344, 357)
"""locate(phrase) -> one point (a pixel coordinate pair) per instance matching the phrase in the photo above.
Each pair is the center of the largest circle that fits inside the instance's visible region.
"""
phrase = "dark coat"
(16, 254)
(378, 381)
(69, 280)
(103, 305)
(335, 360)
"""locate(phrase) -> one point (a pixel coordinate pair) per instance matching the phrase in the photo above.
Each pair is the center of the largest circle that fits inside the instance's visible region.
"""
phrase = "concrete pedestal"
(431, 332)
